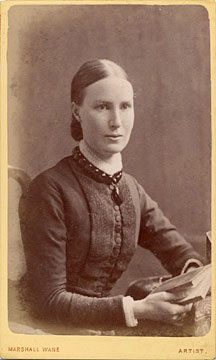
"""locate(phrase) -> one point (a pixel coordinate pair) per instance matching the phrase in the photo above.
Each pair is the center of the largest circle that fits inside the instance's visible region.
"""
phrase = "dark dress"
(78, 239)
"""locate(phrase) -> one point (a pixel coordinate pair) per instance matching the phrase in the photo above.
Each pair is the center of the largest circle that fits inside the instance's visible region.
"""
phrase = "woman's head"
(90, 72)
(98, 90)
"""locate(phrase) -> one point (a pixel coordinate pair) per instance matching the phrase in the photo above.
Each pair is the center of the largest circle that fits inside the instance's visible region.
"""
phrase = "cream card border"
(104, 347)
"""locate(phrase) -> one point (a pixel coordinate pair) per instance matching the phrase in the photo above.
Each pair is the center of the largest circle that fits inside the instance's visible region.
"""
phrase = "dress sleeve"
(158, 235)
(44, 235)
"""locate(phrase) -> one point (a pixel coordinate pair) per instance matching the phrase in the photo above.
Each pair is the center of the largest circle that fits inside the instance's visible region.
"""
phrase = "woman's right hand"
(161, 307)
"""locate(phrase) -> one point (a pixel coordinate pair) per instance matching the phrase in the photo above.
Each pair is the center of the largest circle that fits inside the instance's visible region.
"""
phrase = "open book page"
(199, 292)
(208, 234)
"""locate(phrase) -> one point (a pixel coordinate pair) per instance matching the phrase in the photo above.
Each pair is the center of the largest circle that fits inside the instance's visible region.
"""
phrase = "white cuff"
(189, 263)
(130, 319)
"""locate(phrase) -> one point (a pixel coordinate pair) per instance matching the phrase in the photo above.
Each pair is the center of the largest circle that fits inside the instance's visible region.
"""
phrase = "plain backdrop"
(166, 52)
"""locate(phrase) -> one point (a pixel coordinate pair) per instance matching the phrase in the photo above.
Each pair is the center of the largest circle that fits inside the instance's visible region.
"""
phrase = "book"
(208, 246)
(189, 287)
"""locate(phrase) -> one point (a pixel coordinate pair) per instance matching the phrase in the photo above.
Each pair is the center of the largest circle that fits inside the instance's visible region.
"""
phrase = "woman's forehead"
(109, 88)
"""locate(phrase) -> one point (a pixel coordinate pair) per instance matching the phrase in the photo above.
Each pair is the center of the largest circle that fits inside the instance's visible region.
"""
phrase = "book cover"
(189, 287)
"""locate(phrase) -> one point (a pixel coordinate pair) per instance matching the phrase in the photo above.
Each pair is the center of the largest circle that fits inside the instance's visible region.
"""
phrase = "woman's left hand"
(161, 307)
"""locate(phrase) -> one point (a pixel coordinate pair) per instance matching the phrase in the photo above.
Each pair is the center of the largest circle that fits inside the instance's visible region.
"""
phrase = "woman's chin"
(107, 149)
(112, 149)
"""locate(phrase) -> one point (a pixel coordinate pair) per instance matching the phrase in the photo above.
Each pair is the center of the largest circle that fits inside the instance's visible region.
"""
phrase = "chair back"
(16, 257)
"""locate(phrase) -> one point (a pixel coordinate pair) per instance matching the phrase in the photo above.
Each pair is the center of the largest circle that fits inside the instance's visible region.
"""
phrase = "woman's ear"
(75, 111)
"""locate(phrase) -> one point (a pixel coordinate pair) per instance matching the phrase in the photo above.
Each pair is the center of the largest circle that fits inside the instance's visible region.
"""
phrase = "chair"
(20, 176)
(19, 320)
(16, 263)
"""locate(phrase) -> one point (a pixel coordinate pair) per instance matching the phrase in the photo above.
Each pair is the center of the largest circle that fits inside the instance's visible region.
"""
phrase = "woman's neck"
(109, 164)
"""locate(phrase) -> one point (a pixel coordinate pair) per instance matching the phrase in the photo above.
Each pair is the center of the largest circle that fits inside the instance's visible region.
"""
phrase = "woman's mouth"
(113, 136)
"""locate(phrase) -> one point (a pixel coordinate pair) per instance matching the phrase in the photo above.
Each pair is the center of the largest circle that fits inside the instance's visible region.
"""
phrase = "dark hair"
(89, 73)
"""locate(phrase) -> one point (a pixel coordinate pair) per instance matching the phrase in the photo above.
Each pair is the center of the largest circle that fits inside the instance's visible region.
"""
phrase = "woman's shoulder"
(134, 185)
(57, 174)
(131, 180)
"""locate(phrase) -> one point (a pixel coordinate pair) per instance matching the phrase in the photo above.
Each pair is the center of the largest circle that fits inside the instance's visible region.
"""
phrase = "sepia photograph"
(109, 128)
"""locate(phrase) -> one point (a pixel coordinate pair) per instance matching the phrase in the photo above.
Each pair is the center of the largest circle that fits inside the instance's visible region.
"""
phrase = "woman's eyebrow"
(102, 102)
(107, 102)
(128, 102)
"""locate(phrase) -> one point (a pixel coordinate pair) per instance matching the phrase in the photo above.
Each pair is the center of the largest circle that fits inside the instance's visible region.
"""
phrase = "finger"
(179, 309)
(188, 307)
(184, 308)
(174, 298)
(179, 295)
(166, 296)
(184, 315)
(179, 316)
(174, 321)
(178, 319)
(179, 323)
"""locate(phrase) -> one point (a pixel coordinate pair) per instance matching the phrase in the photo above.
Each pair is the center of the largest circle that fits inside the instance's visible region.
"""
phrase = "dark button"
(117, 228)
(118, 218)
(99, 288)
(116, 207)
(115, 251)
(118, 240)
(151, 229)
(121, 267)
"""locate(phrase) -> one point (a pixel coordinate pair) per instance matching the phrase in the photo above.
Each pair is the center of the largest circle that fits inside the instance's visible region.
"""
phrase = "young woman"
(82, 219)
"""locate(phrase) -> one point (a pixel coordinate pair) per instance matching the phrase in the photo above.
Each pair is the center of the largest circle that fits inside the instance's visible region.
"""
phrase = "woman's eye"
(125, 106)
(102, 107)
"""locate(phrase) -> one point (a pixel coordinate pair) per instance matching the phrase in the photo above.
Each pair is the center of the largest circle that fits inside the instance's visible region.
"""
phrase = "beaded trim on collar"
(93, 171)
(98, 175)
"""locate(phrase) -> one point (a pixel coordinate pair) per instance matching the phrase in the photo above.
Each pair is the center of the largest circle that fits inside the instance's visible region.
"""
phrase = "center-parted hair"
(89, 73)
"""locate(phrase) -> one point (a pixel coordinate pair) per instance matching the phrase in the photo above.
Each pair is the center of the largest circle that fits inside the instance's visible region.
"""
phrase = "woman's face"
(107, 115)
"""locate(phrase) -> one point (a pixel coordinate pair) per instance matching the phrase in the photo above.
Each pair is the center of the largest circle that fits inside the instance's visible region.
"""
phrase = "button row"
(117, 239)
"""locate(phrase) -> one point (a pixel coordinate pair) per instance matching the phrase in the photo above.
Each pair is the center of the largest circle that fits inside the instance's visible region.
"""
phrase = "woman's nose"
(115, 119)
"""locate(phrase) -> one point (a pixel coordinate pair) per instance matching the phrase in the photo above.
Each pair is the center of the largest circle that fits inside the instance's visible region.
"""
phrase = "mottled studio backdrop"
(165, 50)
